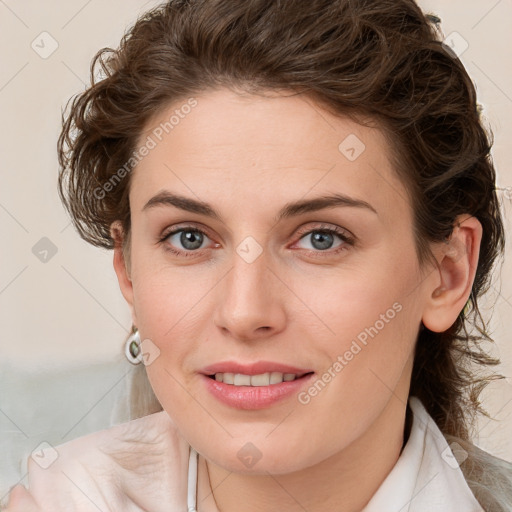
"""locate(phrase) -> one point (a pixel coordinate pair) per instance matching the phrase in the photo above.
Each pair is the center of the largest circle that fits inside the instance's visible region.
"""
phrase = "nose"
(251, 300)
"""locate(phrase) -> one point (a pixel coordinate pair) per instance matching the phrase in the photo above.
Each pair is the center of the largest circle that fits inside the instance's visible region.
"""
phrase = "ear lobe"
(457, 263)
(122, 267)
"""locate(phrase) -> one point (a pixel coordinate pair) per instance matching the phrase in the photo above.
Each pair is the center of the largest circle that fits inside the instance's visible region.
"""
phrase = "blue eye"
(188, 241)
(191, 239)
(322, 239)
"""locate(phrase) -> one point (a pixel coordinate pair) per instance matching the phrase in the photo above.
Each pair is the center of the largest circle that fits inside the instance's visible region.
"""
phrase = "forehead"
(222, 144)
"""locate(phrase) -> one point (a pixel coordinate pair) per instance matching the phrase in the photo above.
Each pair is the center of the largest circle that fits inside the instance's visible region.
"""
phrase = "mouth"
(250, 387)
(261, 379)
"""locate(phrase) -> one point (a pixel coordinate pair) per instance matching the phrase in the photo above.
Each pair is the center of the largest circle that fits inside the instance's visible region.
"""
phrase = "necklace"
(192, 481)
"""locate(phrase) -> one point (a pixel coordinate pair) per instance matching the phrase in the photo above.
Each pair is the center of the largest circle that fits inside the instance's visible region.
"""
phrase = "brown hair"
(383, 60)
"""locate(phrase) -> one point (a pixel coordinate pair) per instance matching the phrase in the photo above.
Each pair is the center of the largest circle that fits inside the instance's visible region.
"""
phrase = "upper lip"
(256, 368)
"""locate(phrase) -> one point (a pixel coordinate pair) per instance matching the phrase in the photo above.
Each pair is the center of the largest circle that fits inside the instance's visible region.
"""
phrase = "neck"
(344, 482)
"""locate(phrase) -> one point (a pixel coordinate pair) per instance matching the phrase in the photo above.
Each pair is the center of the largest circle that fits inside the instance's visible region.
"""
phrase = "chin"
(260, 456)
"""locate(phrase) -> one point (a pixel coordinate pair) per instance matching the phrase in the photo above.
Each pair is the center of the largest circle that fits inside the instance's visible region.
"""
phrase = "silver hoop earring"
(132, 348)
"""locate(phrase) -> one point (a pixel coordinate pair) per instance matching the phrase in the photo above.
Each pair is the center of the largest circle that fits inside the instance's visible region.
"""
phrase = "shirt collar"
(427, 475)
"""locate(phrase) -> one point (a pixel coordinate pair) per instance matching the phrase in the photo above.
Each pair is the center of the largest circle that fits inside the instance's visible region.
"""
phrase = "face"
(279, 280)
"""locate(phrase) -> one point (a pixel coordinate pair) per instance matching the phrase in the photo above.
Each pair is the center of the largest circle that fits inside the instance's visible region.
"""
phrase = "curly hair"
(383, 60)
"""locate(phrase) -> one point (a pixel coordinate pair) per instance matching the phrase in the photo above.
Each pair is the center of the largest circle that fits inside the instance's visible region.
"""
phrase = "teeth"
(229, 378)
(263, 379)
(260, 380)
(242, 380)
(276, 378)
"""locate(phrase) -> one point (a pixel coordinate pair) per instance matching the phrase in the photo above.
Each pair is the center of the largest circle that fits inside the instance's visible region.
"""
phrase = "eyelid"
(346, 236)
(343, 233)
(182, 227)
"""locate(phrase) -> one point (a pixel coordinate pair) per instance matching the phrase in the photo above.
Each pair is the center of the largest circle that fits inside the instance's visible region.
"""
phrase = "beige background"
(66, 317)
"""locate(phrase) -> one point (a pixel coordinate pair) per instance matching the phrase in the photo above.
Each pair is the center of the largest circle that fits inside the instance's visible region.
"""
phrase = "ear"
(453, 278)
(122, 267)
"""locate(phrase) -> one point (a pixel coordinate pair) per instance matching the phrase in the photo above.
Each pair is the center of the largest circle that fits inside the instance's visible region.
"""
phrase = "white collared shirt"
(426, 477)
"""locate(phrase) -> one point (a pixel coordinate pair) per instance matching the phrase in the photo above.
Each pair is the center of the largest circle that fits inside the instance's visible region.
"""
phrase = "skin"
(20, 500)
(297, 304)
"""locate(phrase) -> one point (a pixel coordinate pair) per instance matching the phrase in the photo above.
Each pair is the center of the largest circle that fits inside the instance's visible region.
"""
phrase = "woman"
(302, 208)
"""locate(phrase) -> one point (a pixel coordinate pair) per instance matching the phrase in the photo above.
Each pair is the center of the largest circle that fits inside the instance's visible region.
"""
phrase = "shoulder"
(489, 477)
(120, 468)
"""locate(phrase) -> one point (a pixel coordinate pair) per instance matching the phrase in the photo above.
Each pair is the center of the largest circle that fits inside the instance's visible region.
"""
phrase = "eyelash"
(342, 234)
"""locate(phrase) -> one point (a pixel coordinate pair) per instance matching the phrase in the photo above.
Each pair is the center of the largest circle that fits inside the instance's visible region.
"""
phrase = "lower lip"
(254, 397)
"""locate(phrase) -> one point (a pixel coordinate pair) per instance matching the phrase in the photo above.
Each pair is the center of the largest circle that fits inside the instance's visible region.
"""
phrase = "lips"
(249, 396)
(253, 368)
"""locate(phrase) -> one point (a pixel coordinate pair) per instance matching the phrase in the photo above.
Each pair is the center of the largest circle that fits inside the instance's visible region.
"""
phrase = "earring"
(467, 307)
(132, 348)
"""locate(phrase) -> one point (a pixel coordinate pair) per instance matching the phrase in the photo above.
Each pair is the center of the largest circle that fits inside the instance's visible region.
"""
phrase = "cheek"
(371, 340)
(358, 303)
(164, 295)
(369, 322)
(174, 312)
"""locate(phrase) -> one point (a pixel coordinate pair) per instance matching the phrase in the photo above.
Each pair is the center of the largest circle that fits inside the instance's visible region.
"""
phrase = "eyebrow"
(165, 198)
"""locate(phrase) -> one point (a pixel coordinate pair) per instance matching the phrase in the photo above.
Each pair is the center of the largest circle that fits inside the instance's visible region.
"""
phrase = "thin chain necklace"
(192, 481)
